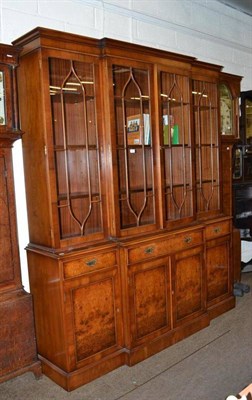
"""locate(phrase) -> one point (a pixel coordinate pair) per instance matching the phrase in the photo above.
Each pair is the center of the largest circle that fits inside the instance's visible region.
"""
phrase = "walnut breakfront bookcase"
(128, 179)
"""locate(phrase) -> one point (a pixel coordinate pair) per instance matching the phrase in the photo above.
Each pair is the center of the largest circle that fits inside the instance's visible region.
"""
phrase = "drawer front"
(89, 263)
(217, 229)
(166, 246)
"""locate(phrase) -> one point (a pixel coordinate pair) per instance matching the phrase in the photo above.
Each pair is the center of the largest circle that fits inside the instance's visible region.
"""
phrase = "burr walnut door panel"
(149, 299)
(188, 286)
(93, 311)
(218, 270)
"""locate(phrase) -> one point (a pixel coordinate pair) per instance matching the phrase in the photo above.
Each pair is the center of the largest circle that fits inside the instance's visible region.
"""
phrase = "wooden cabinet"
(87, 314)
(17, 337)
(163, 290)
(128, 181)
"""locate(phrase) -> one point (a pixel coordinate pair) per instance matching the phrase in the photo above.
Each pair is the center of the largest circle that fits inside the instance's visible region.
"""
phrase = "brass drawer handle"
(149, 250)
(187, 239)
(217, 230)
(91, 263)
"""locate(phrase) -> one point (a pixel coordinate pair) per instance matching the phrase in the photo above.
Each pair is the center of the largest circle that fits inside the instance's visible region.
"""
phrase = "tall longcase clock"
(17, 336)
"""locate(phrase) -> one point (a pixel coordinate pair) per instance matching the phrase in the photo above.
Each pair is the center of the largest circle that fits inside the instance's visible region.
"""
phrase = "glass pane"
(226, 110)
(134, 146)
(207, 146)
(76, 147)
(176, 145)
(2, 100)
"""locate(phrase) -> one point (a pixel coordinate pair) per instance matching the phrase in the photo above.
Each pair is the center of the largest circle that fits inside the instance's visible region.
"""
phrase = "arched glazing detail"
(176, 146)
(72, 90)
(207, 146)
(134, 146)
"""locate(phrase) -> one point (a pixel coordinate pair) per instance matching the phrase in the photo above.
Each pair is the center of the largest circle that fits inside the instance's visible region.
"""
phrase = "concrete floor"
(210, 365)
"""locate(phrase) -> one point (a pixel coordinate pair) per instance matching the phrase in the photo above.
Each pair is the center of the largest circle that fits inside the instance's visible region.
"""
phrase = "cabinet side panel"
(217, 262)
(48, 302)
(31, 104)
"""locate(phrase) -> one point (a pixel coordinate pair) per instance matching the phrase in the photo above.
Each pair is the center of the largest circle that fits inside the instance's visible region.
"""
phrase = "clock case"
(18, 352)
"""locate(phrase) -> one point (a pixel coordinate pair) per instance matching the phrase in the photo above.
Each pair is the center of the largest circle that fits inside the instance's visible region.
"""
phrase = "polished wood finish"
(128, 182)
(18, 353)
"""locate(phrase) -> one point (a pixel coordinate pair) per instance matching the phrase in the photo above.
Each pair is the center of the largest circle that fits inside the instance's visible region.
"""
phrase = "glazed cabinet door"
(132, 147)
(62, 147)
(76, 129)
(93, 309)
(207, 148)
(149, 300)
(188, 285)
(176, 148)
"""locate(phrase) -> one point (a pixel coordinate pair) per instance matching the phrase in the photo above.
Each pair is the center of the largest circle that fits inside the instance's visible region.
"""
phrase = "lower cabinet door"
(94, 316)
(188, 285)
(149, 300)
(218, 270)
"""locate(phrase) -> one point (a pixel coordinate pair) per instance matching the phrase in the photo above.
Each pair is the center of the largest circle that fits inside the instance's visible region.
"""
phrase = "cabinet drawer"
(166, 246)
(89, 263)
(217, 229)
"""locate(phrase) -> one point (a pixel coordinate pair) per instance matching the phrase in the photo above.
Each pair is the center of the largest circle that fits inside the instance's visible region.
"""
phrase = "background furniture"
(18, 352)
(242, 176)
(129, 190)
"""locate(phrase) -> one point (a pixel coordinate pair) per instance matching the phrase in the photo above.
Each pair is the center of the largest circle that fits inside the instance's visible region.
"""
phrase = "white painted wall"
(205, 29)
